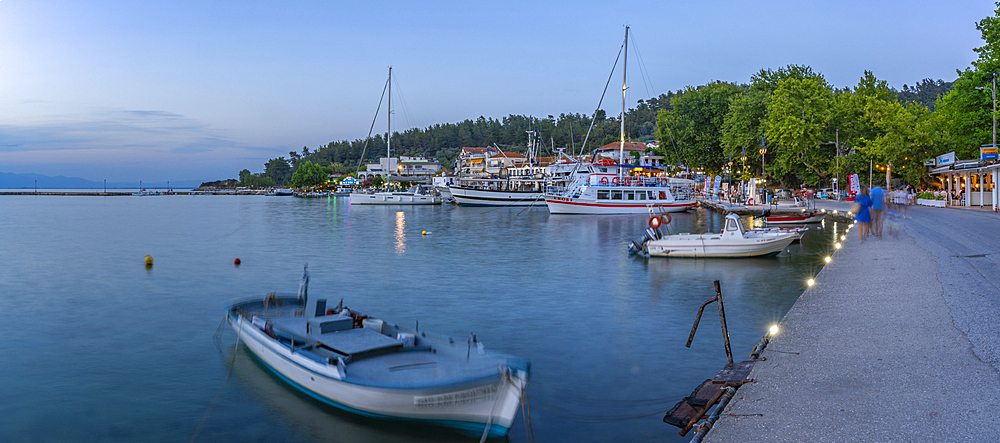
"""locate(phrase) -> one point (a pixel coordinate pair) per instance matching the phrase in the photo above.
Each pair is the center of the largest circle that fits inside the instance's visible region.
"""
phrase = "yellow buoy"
(148, 259)
(423, 232)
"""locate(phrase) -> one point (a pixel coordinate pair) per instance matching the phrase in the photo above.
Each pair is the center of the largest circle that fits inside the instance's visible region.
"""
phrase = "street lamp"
(993, 90)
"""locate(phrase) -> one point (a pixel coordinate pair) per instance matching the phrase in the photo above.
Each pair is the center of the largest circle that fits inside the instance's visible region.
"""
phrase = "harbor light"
(843, 238)
(773, 330)
(827, 259)
(810, 282)
(836, 245)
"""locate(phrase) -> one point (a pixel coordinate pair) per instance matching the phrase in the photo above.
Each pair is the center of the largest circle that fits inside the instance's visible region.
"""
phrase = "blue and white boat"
(369, 366)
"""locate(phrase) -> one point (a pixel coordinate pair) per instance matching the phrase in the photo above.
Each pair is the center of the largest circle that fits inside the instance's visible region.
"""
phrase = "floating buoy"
(148, 259)
(236, 262)
(423, 232)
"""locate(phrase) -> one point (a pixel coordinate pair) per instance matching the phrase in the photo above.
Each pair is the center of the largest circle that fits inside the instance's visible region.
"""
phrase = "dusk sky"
(196, 90)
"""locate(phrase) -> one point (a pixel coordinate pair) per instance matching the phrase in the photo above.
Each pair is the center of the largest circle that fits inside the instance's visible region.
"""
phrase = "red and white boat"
(795, 218)
(610, 188)
(603, 191)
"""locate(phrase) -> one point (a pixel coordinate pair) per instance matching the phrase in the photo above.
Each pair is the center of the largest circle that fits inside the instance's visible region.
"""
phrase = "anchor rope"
(239, 333)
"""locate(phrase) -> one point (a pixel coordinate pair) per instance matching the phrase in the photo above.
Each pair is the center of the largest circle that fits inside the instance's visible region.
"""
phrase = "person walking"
(878, 210)
(862, 213)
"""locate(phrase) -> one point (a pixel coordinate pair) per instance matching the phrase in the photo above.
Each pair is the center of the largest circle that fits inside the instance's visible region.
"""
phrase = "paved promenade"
(898, 341)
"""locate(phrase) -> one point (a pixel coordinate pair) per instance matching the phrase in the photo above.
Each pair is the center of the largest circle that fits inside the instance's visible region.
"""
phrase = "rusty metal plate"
(735, 374)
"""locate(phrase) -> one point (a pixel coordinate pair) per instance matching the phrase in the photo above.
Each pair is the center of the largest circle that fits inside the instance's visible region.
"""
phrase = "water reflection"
(317, 420)
(400, 233)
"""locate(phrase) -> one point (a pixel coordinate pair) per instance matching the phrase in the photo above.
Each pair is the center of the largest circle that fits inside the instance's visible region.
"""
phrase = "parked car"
(826, 193)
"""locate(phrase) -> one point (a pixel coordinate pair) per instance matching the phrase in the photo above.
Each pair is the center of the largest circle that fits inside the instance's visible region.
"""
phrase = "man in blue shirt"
(878, 210)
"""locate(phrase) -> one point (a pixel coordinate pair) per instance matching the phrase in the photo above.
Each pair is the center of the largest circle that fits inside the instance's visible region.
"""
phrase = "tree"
(693, 127)
(797, 117)
(278, 170)
(310, 174)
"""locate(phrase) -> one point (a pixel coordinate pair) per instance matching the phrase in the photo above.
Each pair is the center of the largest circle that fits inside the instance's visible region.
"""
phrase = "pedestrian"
(862, 212)
(877, 210)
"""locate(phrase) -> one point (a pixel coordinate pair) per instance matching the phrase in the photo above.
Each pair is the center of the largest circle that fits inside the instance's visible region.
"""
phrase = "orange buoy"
(236, 262)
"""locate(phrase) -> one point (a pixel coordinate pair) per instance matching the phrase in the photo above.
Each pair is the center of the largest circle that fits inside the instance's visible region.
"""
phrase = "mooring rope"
(239, 333)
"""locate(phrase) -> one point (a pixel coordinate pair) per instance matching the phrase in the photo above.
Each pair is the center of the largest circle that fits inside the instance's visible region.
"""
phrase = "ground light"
(773, 330)
(827, 259)
(811, 282)
(843, 237)
(836, 245)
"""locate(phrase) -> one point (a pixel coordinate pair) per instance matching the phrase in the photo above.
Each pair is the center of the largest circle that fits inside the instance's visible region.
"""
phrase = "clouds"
(124, 139)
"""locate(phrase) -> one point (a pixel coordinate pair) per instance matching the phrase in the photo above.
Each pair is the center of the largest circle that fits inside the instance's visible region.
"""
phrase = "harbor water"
(99, 347)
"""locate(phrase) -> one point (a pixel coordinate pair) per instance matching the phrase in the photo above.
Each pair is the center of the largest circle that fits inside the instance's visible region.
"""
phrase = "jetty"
(897, 340)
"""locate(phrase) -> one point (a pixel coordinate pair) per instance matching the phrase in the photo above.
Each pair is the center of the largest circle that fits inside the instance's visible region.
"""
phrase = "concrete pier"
(898, 340)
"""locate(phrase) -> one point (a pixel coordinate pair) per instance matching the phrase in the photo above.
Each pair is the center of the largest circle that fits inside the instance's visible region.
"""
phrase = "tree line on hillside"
(812, 131)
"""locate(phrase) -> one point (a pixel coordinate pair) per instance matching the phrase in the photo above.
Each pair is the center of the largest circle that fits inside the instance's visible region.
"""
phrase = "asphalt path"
(898, 341)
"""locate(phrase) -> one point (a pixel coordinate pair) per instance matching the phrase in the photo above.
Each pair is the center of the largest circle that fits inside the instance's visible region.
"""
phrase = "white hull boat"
(733, 242)
(467, 196)
(605, 193)
(374, 368)
(416, 195)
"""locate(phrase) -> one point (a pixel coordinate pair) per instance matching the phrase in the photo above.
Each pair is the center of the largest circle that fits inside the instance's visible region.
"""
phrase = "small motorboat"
(791, 218)
(369, 366)
(733, 242)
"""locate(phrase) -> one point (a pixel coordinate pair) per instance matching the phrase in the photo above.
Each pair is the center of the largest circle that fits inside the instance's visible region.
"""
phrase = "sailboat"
(416, 195)
(610, 188)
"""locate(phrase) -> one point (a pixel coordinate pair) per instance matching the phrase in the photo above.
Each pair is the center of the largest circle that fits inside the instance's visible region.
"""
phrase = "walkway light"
(811, 282)
(827, 259)
(773, 330)
(837, 245)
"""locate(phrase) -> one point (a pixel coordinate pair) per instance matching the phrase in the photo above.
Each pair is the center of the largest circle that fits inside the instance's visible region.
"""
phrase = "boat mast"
(621, 148)
(388, 139)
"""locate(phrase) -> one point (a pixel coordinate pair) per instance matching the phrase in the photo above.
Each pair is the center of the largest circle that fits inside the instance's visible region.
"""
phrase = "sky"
(199, 90)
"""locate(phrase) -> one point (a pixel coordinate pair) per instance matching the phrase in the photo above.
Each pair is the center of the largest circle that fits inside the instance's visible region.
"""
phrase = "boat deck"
(379, 359)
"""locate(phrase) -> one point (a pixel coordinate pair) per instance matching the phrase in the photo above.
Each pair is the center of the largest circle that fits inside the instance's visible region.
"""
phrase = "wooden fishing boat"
(369, 366)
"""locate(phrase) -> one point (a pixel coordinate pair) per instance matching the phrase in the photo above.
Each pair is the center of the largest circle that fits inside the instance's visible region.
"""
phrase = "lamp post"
(743, 172)
(993, 90)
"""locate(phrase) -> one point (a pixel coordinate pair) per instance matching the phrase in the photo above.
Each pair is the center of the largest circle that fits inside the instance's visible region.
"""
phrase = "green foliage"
(797, 117)
(690, 133)
(926, 92)
(310, 174)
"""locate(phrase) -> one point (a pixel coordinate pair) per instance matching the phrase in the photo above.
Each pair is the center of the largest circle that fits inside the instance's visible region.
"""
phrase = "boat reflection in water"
(318, 421)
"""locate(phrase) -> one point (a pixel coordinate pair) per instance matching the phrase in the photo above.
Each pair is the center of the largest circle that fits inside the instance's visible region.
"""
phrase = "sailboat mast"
(621, 148)
(388, 140)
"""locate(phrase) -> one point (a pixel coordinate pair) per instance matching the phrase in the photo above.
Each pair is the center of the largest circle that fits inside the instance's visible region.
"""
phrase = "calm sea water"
(99, 348)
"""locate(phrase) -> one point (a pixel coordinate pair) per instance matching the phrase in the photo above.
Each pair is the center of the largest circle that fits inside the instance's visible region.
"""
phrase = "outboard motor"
(653, 234)
(635, 247)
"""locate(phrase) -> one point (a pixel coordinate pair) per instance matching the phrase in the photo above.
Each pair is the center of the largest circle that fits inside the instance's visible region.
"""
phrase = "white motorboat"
(733, 242)
(369, 366)
(416, 195)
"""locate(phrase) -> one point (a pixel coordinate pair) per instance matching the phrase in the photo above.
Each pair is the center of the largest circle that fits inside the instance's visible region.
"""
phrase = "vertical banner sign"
(853, 185)
(718, 183)
(708, 187)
